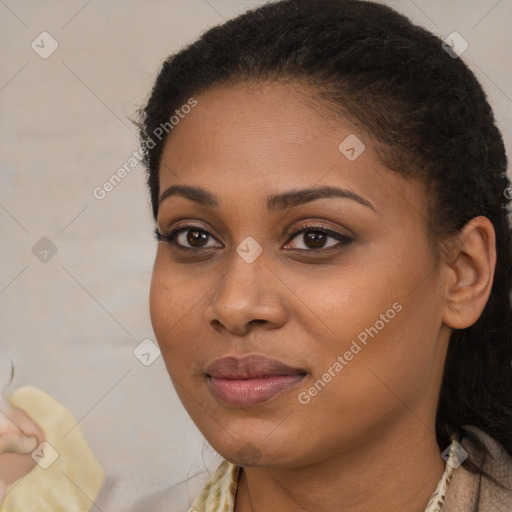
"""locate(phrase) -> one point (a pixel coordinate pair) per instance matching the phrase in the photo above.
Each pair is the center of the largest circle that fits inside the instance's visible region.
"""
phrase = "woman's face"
(295, 249)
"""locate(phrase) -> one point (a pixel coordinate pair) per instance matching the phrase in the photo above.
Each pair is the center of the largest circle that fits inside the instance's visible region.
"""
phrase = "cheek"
(382, 324)
(336, 304)
(161, 300)
(379, 379)
(176, 302)
(390, 358)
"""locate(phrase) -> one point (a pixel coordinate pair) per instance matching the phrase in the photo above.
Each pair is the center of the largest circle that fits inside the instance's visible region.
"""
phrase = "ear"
(470, 273)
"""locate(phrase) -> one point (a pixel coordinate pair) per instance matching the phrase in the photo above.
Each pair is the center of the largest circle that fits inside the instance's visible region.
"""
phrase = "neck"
(396, 471)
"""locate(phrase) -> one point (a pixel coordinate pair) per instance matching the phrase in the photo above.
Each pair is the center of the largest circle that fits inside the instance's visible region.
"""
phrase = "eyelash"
(344, 240)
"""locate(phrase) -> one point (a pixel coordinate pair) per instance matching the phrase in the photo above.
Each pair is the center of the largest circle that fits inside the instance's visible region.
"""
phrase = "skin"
(366, 441)
(19, 436)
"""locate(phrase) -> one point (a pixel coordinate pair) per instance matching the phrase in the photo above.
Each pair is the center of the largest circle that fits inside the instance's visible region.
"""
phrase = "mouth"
(250, 381)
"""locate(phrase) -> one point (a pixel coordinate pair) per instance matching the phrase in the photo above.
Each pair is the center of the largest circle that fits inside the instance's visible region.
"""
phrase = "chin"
(258, 451)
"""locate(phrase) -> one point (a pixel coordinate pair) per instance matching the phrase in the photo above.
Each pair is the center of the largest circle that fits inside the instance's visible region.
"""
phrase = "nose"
(247, 295)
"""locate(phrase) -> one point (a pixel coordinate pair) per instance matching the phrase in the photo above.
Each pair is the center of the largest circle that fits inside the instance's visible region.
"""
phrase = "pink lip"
(251, 380)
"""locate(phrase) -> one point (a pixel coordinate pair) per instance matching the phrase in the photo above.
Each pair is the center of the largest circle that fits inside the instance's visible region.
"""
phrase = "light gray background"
(72, 323)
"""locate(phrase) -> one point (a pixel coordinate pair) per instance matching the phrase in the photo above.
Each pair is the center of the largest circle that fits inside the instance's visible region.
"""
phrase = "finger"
(25, 423)
(17, 442)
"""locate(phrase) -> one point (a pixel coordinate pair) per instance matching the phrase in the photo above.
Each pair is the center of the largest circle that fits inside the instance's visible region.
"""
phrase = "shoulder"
(484, 482)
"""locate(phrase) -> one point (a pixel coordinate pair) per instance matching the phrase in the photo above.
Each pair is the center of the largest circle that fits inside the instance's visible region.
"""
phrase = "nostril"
(257, 321)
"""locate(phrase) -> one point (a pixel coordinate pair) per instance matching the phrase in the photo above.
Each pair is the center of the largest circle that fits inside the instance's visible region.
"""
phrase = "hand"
(19, 437)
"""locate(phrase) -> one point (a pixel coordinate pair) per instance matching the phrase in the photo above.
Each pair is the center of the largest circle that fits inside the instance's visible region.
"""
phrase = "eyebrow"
(275, 202)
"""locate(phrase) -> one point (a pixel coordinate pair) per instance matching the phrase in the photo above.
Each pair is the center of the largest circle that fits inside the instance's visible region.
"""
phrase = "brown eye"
(192, 237)
(314, 239)
(188, 238)
(317, 238)
(197, 238)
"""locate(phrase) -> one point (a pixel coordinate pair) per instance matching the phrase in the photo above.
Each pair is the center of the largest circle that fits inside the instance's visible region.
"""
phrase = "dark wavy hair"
(429, 119)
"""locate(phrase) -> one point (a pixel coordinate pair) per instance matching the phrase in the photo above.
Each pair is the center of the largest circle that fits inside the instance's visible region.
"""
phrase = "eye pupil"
(197, 238)
(314, 239)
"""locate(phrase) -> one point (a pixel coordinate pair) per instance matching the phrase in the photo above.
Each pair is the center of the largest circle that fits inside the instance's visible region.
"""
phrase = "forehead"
(248, 140)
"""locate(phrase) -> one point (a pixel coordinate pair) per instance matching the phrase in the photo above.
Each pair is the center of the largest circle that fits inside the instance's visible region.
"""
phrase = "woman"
(331, 290)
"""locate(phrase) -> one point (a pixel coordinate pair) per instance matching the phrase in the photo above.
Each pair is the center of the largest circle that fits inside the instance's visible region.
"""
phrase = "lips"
(250, 381)
(249, 367)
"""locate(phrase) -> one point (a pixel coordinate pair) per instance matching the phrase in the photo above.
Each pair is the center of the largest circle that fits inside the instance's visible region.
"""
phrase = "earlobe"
(470, 273)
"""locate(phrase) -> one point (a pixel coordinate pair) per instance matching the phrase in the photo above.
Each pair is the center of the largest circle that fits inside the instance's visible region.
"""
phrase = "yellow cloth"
(73, 479)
